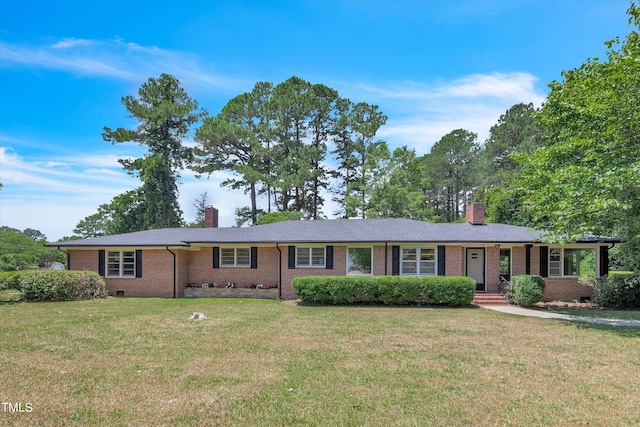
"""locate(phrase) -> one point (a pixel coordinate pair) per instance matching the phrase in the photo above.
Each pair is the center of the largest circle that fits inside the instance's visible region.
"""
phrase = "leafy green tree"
(360, 156)
(518, 131)
(586, 180)
(200, 205)
(290, 110)
(19, 250)
(401, 192)
(453, 168)
(274, 139)
(271, 217)
(124, 214)
(92, 226)
(236, 140)
(164, 112)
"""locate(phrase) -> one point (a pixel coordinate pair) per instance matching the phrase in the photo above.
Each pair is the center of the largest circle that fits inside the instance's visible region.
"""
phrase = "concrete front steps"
(485, 298)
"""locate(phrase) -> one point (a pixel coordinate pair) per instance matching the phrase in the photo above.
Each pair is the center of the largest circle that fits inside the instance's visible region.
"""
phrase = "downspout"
(174, 271)
(279, 272)
(68, 266)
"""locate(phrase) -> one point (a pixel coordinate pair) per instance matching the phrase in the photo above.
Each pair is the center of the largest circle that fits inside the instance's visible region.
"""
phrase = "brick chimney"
(475, 214)
(210, 217)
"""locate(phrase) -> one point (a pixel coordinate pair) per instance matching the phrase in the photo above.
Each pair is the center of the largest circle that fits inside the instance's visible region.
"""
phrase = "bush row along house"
(165, 262)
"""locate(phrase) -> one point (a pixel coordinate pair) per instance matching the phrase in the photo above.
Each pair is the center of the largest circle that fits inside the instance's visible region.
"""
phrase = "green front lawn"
(135, 361)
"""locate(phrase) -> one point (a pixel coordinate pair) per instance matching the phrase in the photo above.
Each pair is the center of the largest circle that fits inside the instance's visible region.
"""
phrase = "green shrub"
(451, 290)
(525, 290)
(61, 285)
(618, 291)
(9, 279)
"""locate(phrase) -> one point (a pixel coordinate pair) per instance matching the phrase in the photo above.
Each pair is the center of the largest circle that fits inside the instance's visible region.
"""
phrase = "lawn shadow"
(620, 330)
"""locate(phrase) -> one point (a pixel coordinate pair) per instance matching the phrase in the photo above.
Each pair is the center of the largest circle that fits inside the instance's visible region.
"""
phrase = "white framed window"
(418, 262)
(310, 257)
(555, 262)
(572, 262)
(121, 263)
(235, 257)
(359, 261)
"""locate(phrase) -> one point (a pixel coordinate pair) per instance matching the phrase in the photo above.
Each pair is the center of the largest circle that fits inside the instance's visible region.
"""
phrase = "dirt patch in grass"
(559, 305)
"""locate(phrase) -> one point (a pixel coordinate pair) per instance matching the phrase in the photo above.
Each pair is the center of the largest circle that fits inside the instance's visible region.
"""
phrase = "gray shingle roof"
(391, 230)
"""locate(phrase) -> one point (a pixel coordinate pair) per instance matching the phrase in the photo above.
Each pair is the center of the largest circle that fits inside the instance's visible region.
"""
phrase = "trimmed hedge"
(618, 291)
(526, 290)
(60, 285)
(450, 290)
(9, 279)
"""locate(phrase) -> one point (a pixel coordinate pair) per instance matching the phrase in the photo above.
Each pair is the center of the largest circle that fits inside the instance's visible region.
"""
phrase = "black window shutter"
(442, 260)
(604, 260)
(292, 257)
(138, 263)
(395, 260)
(527, 259)
(101, 262)
(329, 258)
(216, 257)
(254, 257)
(544, 261)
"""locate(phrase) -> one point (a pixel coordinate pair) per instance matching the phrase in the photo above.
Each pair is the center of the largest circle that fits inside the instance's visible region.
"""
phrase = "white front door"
(475, 266)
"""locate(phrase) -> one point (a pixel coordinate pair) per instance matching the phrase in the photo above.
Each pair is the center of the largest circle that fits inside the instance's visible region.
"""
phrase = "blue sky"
(430, 66)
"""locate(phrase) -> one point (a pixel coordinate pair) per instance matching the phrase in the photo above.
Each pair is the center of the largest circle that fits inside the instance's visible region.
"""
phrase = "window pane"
(359, 261)
(243, 255)
(408, 254)
(409, 268)
(227, 256)
(427, 261)
(554, 262)
(579, 262)
(113, 263)
(505, 263)
(302, 257)
(588, 262)
(427, 254)
(427, 268)
(128, 263)
(317, 257)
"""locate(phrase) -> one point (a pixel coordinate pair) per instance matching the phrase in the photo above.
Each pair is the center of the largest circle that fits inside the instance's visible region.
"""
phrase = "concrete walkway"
(512, 309)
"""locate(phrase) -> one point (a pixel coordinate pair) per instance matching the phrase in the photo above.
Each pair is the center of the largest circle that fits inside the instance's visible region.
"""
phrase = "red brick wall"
(518, 260)
(565, 289)
(157, 273)
(202, 271)
(492, 268)
(83, 260)
(454, 256)
(339, 269)
(196, 267)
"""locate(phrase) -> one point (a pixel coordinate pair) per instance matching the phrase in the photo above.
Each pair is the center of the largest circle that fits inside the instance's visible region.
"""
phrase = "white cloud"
(116, 59)
(53, 195)
(422, 113)
(70, 42)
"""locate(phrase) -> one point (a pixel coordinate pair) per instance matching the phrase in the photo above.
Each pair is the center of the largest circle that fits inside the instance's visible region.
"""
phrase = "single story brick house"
(169, 262)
